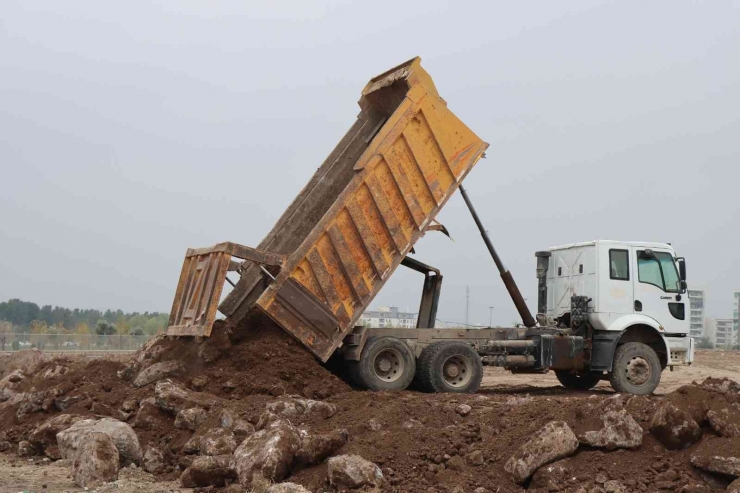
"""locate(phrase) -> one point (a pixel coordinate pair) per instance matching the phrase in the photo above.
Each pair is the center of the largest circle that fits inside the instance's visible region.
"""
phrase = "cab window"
(619, 266)
(660, 271)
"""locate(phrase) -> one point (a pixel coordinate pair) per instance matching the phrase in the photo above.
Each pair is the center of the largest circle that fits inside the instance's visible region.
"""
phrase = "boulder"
(619, 430)
(129, 371)
(44, 437)
(158, 371)
(228, 418)
(552, 476)
(27, 360)
(67, 401)
(190, 419)
(725, 421)
(209, 471)
(217, 441)
(242, 429)
(718, 455)
(674, 428)
(287, 488)
(192, 446)
(150, 415)
(96, 460)
(475, 458)
(55, 371)
(316, 448)
(353, 471)
(269, 452)
(292, 406)
(552, 442)
(11, 383)
(122, 435)
(734, 487)
(199, 383)
(721, 385)
(153, 460)
(173, 398)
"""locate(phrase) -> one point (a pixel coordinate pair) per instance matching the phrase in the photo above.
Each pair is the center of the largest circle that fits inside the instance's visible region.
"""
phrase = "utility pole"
(467, 303)
(490, 317)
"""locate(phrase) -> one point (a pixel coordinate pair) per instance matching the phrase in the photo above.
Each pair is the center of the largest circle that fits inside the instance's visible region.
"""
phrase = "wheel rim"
(389, 365)
(457, 371)
(638, 370)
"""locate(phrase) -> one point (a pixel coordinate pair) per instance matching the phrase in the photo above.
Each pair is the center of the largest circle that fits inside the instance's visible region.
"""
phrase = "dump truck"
(359, 218)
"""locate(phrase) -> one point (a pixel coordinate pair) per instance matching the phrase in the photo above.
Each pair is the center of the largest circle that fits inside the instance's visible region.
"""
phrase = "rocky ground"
(250, 410)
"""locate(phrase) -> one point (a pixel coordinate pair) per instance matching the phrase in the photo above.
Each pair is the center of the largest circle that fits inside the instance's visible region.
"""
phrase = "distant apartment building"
(725, 335)
(389, 317)
(736, 313)
(696, 322)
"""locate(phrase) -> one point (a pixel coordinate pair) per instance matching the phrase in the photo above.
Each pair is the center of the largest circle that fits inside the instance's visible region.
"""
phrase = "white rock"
(354, 471)
(123, 437)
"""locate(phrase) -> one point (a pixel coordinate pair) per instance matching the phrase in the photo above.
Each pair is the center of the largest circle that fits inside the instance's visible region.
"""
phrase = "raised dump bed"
(354, 222)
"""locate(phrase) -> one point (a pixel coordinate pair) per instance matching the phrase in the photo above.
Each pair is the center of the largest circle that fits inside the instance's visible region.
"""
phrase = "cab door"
(658, 289)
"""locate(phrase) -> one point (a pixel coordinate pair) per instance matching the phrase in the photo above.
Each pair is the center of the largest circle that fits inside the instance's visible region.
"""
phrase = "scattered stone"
(455, 463)
(734, 487)
(374, 425)
(475, 458)
(129, 405)
(619, 430)
(411, 423)
(192, 446)
(269, 452)
(725, 421)
(227, 418)
(295, 406)
(26, 449)
(122, 435)
(287, 488)
(721, 385)
(551, 476)
(190, 419)
(157, 372)
(552, 442)
(353, 471)
(316, 448)
(199, 383)
(242, 429)
(64, 403)
(601, 478)
(56, 371)
(174, 399)
(153, 460)
(718, 455)
(96, 460)
(149, 415)
(209, 471)
(463, 409)
(613, 486)
(217, 441)
(129, 372)
(674, 428)
(5, 446)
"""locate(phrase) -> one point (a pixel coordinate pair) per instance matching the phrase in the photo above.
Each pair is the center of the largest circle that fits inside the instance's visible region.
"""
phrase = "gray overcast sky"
(130, 131)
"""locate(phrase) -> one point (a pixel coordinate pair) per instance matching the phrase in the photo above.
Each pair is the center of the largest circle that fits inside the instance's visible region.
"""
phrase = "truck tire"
(577, 381)
(386, 363)
(449, 366)
(635, 369)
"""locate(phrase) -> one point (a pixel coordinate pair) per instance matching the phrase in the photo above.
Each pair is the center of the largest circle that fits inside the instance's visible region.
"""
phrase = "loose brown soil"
(409, 434)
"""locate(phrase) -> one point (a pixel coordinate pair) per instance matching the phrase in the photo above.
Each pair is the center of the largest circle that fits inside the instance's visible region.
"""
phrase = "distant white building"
(389, 317)
(696, 321)
(735, 313)
(725, 334)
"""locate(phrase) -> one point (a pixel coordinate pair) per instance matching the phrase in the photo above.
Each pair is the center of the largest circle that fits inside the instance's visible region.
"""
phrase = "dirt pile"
(188, 400)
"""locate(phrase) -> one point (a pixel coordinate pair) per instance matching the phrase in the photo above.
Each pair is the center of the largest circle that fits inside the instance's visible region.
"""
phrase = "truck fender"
(630, 328)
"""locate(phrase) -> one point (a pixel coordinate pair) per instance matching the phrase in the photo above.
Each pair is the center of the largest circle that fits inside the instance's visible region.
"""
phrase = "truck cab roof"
(640, 244)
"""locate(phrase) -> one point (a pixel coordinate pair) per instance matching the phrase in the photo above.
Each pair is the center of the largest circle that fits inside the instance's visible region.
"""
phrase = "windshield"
(659, 271)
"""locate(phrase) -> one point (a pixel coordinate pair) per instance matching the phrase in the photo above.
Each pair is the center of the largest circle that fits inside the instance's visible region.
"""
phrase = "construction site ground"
(408, 434)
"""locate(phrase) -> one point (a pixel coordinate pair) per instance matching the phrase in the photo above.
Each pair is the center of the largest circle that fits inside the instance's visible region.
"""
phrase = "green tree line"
(28, 317)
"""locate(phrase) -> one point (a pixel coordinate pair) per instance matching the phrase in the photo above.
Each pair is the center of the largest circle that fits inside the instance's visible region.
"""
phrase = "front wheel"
(386, 363)
(636, 369)
(577, 381)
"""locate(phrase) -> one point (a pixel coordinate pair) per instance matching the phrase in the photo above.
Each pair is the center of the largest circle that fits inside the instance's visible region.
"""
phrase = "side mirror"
(682, 268)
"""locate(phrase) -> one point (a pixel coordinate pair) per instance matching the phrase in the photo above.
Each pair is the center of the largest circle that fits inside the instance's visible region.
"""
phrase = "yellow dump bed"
(351, 226)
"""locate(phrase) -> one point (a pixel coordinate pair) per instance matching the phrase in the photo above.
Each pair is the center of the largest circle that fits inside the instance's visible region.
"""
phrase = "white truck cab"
(636, 292)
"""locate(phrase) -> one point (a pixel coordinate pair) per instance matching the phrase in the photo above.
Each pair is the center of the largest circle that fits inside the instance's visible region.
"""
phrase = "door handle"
(638, 305)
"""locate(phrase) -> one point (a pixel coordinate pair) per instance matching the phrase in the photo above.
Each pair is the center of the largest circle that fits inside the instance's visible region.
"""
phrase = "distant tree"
(5, 329)
(137, 331)
(105, 328)
(82, 328)
(704, 343)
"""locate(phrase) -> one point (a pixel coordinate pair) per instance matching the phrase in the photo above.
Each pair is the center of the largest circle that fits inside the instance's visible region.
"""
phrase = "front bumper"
(680, 350)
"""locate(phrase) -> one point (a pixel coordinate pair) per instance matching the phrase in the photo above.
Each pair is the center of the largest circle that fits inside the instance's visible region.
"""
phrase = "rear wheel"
(449, 366)
(636, 369)
(577, 381)
(386, 363)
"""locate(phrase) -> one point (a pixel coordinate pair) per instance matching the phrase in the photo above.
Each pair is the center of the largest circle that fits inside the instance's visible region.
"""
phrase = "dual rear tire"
(388, 363)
